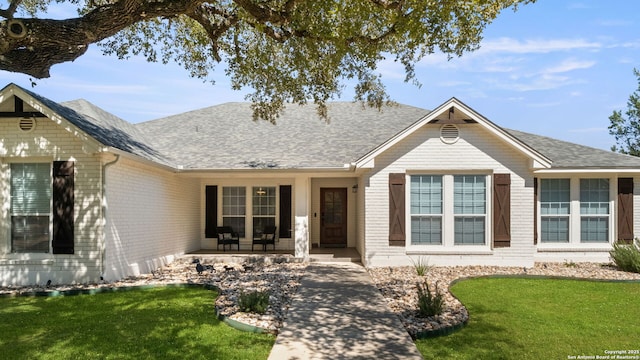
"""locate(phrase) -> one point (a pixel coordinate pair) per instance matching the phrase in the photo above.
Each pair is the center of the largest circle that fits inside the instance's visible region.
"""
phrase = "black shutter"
(285, 212)
(625, 210)
(501, 210)
(63, 203)
(211, 211)
(397, 232)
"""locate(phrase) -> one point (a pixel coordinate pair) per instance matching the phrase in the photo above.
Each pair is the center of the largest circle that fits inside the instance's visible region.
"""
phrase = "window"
(448, 210)
(264, 208)
(30, 207)
(469, 198)
(234, 208)
(426, 210)
(594, 210)
(555, 204)
(574, 211)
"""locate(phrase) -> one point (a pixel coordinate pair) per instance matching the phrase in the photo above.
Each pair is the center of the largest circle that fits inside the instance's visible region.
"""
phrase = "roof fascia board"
(14, 90)
(588, 171)
(538, 160)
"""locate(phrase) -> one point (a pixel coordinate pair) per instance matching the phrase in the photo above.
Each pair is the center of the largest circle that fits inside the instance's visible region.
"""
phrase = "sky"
(557, 68)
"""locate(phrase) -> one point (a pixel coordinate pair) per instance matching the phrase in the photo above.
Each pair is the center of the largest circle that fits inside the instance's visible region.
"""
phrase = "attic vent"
(449, 134)
(27, 124)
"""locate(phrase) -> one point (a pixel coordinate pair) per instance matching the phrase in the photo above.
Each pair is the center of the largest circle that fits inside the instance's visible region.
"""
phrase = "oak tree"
(285, 50)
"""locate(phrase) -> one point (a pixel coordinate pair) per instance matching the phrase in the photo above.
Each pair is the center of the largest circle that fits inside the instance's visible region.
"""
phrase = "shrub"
(627, 256)
(429, 304)
(422, 266)
(255, 301)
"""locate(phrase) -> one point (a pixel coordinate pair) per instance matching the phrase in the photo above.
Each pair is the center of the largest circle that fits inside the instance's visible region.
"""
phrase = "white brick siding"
(152, 215)
(47, 143)
(476, 150)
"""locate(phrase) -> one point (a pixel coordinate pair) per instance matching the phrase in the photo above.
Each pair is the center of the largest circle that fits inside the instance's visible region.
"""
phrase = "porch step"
(335, 256)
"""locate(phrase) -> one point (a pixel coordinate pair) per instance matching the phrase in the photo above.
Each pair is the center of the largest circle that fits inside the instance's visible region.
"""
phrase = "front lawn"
(525, 318)
(157, 323)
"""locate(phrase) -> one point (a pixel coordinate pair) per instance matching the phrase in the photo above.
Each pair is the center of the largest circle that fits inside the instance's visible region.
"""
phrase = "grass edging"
(71, 292)
(455, 327)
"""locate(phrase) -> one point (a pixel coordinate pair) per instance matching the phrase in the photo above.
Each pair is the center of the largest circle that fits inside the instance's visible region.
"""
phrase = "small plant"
(627, 256)
(570, 264)
(429, 304)
(254, 301)
(422, 266)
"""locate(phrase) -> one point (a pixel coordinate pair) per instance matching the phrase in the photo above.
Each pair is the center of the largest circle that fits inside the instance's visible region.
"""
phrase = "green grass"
(520, 318)
(156, 323)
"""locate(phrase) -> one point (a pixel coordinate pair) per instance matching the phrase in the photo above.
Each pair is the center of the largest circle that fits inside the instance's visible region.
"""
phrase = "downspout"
(104, 213)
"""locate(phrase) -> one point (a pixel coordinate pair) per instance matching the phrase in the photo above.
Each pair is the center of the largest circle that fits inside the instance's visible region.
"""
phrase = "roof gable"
(89, 123)
(454, 111)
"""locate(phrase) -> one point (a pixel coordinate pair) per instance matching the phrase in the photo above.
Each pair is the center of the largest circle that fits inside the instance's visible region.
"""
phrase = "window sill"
(27, 262)
(450, 251)
(576, 248)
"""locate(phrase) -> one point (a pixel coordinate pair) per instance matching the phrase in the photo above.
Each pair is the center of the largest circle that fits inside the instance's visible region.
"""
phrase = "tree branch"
(13, 6)
(32, 46)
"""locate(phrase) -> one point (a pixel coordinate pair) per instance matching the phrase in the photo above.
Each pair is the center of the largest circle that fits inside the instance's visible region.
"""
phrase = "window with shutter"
(30, 207)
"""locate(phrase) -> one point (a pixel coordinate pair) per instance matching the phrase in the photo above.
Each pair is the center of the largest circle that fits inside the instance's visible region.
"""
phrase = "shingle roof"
(103, 126)
(225, 137)
(569, 155)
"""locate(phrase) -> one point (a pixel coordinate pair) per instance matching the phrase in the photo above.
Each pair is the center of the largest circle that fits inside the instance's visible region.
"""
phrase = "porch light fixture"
(354, 188)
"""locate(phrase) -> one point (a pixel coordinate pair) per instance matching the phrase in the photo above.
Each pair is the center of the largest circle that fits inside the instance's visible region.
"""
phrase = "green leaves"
(626, 128)
(287, 51)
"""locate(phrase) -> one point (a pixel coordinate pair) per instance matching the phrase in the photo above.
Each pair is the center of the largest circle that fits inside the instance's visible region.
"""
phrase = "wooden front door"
(333, 221)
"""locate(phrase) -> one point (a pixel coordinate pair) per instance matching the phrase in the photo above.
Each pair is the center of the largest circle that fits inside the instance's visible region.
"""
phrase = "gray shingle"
(103, 126)
(569, 155)
(226, 137)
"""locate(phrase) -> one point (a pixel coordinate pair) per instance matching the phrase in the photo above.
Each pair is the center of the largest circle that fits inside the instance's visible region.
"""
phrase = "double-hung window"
(555, 210)
(30, 207)
(448, 210)
(234, 208)
(594, 210)
(264, 208)
(470, 203)
(575, 211)
(426, 210)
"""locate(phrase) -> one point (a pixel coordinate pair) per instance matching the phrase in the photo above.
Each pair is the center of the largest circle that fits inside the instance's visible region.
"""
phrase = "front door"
(333, 221)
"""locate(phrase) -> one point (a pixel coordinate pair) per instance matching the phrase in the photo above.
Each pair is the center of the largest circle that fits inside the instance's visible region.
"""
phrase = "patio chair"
(226, 236)
(268, 237)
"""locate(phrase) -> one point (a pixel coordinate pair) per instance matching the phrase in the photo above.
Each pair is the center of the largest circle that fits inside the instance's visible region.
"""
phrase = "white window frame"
(575, 241)
(448, 217)
(9, 240)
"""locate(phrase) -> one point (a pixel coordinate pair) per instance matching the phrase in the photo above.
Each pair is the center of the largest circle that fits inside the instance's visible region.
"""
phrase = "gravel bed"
(281, 279)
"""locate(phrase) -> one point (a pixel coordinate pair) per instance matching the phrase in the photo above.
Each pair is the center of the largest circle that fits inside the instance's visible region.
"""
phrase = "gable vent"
(449, 134)
(27, 124)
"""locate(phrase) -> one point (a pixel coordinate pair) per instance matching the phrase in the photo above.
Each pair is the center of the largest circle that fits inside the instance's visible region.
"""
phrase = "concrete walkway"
(338, 313)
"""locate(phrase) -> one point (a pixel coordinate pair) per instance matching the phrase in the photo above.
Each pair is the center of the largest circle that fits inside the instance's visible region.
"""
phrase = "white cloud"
(568, 65)
(510, 45)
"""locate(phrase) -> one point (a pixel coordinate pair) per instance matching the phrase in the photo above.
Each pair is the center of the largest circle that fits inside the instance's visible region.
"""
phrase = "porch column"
(302, 196)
